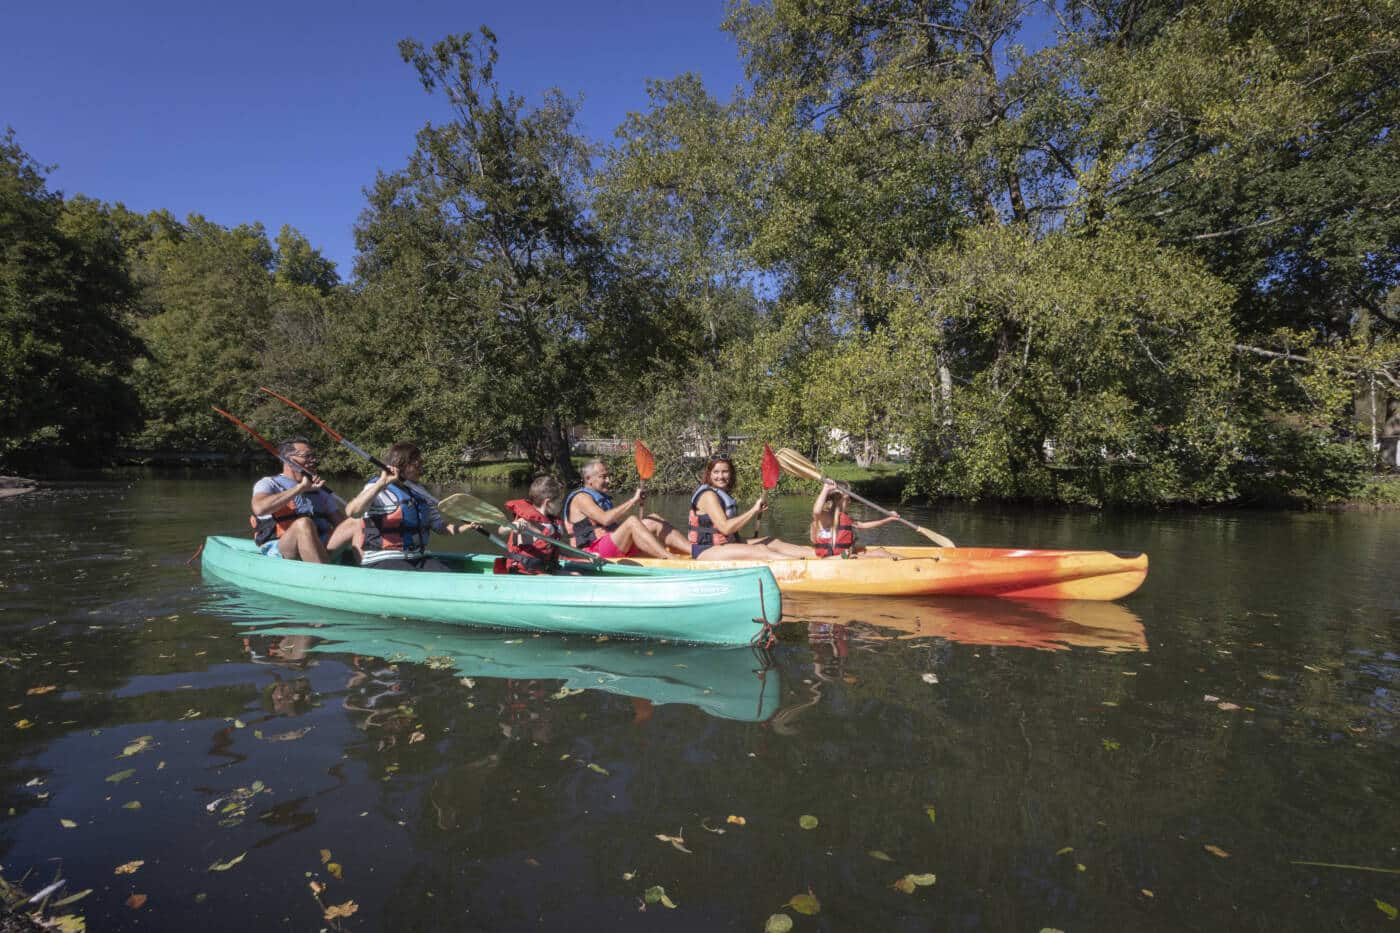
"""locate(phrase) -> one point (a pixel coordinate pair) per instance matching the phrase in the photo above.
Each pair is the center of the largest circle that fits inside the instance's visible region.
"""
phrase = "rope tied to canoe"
(767, 636)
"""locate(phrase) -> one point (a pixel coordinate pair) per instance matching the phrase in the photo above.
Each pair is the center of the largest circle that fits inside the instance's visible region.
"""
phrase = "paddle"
(463, 507)
(272, 449)
(407, 484)
(794, 462)
(770, 470)
(646, 463)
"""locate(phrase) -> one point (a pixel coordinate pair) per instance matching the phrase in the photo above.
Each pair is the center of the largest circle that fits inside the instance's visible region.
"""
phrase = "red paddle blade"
(646, 463)
(771, 468)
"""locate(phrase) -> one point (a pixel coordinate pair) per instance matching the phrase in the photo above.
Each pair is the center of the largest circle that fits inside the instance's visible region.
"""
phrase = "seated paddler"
(398, 522)
(295, 515)
(539, 513)
(600, 527)
(716, 522)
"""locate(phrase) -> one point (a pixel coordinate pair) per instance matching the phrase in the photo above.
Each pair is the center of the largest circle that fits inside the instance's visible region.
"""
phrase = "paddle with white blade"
(795, 463)
(464, 507)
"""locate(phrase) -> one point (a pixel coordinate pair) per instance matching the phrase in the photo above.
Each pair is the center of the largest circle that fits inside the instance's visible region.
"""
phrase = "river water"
(1162, 763)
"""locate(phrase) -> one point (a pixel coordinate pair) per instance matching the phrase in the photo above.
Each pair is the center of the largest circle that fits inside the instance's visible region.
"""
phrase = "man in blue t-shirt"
(295, 516)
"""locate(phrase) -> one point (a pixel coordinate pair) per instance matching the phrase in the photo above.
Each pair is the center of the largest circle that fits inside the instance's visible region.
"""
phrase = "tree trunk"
(547, 449)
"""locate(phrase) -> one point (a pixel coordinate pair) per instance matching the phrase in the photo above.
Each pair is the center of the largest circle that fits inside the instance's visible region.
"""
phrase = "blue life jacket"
(402, 531)
(584, 532)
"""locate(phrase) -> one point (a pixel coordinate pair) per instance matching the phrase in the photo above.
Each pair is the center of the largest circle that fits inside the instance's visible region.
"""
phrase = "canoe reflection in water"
(1046, 625)
(738, 683)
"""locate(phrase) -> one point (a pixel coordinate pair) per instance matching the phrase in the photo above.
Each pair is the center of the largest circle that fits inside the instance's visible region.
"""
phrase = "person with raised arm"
(600, 527)
(399, 522)
(715, 521)
(294, 515)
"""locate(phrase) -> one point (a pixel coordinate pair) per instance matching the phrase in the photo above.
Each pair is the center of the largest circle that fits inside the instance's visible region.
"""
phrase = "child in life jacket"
(539, 513)
(833, 529)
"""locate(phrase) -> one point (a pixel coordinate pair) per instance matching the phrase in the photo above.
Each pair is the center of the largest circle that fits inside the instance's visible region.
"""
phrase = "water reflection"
(1046, 625)
(728, 683)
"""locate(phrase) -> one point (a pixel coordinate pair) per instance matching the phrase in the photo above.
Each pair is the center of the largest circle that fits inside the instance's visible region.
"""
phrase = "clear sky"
(283, 112)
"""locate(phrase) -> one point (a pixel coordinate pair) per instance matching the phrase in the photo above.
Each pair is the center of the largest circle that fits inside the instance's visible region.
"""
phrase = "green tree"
(491, 302)
(66, 345)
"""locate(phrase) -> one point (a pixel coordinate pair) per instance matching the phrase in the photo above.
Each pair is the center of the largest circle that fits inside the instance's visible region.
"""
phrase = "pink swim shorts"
(603, 546)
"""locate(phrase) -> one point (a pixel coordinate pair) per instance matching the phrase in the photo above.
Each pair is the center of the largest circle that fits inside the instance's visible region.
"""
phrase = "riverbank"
(16, 486)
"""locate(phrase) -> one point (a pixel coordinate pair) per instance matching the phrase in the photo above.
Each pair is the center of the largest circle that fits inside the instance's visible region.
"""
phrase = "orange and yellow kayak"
(965, 571)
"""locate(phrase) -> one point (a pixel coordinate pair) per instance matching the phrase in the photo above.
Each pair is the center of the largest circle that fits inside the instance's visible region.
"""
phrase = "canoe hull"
(931, 571)
(709, 608)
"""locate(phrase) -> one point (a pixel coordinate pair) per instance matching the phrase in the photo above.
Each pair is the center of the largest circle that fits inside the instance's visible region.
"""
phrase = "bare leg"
(344, 535)
(302, 543)
(667, 533)
(738, 552)
(782, 548)
(633, 534)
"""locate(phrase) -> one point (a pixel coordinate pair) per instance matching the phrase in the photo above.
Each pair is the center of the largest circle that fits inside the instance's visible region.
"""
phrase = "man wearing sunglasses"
(295, 516)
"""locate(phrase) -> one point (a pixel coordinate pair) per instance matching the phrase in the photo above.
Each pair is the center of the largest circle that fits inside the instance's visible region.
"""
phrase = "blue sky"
(283, 112)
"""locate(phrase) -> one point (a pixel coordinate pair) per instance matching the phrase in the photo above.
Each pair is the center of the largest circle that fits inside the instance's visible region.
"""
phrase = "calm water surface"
(1158, 764)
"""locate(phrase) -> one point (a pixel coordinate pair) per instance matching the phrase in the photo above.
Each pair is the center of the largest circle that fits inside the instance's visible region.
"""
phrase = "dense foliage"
(1085, 250)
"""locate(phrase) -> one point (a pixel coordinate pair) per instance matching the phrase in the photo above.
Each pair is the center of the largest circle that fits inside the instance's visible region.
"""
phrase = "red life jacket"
(526, 554)
(844, 539)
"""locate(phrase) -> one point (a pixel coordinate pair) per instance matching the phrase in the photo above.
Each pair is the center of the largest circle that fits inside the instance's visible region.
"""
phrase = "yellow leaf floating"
(598, 768)
(67, 824)
(335, 870)
(1065, 851)
(40, 691)
(325, 856)
(1217, 851)
(341, 910)
(119, 776)
(807, 821)
(128, 868)
(805, 904)
(225, 866)
(905, 885)
(1387, 909)
(738, 821)
(877, 854)
(24, 724)
(140, 745)
(932, 814)
(778, 923)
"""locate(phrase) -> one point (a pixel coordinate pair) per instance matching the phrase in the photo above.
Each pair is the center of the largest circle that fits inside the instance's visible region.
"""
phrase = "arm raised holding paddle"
(798, 465)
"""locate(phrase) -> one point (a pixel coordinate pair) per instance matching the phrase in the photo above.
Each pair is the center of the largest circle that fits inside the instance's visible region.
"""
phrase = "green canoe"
(726, 607)
(737, 683)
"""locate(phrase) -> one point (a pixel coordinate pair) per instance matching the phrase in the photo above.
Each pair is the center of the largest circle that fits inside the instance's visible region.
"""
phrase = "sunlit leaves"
(778, 923)
(225, 866)
(805, 903)
(807, 821)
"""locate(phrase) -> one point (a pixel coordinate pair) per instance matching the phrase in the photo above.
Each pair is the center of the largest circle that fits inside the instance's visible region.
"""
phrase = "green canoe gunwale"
(724, 607)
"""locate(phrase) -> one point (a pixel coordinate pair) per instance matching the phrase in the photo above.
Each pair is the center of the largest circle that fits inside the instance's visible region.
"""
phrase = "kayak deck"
(711, 608)
(931, 571)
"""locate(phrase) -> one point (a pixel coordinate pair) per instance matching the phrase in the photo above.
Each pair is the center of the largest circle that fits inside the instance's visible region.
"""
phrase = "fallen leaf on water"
(1211, 698)
(1147, 893)
(119, 776)
(932, 814)
(705, 825)
(128, 868)
(283, 736)
(1227, 707)
(778, 923)
(132, 805)
(805, 904)
(1109, 745)
(316, 887)
(598, 768)
(807, 821)
(929, 678)
(40, 691)
(135, 901)
(225, 866)
(736, 820)
(341, 910)
(335, 870)
(655, 894)
(416, 737)
(1079, 866)
(1387, 909)
(69, 923)
(1217, 851)
(1065, 851)
(201, 897)
(905, 885)
(140, 745)
(923, 880)
(23, 724)
(628, 875)
(325, 856)
(67, 824)
(877, 854)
